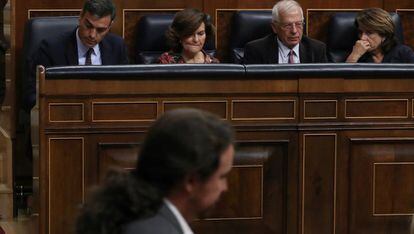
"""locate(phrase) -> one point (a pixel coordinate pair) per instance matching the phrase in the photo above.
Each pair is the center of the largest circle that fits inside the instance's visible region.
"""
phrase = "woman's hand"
(359, 49)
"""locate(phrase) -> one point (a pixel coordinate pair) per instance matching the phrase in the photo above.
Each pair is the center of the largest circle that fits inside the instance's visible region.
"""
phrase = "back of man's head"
(100, 8)
(284, 6)
(182, 142)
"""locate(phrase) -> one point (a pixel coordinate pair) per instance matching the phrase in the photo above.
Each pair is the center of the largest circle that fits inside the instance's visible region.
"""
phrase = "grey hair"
(285, 6)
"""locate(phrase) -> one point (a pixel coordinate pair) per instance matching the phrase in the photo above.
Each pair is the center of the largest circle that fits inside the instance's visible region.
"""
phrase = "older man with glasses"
(287, 44)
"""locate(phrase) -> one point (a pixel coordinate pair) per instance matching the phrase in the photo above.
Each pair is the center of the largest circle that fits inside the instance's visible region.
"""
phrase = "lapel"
(71, 50)
(105, 50)
(302, 53)
(167, 214)
(273, 55)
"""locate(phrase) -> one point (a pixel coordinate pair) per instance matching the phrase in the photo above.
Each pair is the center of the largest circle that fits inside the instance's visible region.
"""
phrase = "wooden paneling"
(346, 174)
(116, 156)
(393, 187)
(391, 5)
(66, 112)
(318, 109)
(66, 188)
(407, 20)
(220, 108)
(263, 109)
(319, 165)
(381, 183)
(376, 108)
(260, 167)
(121, 111)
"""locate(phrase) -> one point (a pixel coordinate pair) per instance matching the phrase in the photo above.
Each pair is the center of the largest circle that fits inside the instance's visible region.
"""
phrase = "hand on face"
(361, 47)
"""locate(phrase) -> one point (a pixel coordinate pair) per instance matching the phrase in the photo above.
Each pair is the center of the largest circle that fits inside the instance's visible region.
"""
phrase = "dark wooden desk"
(321, 148)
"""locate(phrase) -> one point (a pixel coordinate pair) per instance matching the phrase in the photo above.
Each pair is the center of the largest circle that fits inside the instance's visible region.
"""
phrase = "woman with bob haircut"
(186, 38)
(377, 42)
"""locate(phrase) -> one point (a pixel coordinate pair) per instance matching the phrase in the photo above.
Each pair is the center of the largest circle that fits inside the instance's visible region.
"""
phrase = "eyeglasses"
(289, 26)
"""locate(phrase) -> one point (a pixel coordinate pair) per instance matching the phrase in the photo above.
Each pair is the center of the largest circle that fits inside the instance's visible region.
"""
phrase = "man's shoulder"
(60, 39)
(261, 41)
(163, 222)
(307, 41)
(114, 39)
(157, 224)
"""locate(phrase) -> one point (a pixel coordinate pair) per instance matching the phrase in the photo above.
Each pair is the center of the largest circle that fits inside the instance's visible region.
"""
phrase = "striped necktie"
(88, 60)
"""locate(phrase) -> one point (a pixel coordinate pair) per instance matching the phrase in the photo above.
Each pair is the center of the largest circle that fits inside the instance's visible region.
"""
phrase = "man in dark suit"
(287, 44)
(181, 171)
(88, 44)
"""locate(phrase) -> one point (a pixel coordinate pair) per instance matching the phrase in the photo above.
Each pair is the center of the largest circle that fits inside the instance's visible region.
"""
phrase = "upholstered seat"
(247, 26)
(36, 30)
(151, 41)
(342, 34)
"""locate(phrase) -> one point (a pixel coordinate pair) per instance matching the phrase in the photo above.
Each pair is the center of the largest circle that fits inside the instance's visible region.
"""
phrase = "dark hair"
(379, 21)
(100, 8)
(185, 23)
(180, 143)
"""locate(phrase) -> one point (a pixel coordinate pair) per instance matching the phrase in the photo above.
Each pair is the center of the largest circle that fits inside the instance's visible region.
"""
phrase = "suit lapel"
(105, 50)
(302, 53)
(273, 55)
(71, 51)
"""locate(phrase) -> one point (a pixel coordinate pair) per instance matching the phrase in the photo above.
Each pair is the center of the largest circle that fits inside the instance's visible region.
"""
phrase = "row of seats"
(246, 26)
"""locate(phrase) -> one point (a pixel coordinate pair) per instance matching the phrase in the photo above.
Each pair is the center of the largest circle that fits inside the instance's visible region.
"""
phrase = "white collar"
(183, 223)
(82, 49)
(285, 50)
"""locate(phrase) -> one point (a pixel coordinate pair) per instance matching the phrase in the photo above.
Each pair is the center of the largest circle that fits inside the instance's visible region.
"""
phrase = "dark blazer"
(266, 51)
(63, 51)
(398, 54)
(164, 222)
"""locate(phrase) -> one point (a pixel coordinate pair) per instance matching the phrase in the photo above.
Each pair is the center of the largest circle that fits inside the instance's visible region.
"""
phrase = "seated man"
(181, 171)
(287, 44)
(88, 44)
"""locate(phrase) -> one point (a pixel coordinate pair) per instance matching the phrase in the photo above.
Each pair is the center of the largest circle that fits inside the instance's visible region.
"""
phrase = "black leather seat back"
(342, 34)
(37, 29)
(40, 28)
(247, 26)
(151, 41)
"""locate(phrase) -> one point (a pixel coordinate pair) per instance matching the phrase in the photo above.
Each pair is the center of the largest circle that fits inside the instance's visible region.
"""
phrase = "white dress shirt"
(82, 49)
(183, 224)
(284, 53)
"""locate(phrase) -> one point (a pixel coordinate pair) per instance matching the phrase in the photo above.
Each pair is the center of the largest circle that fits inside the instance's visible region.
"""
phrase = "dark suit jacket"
(164, 222)
(398, 54)
(266, 51)
(63, 51)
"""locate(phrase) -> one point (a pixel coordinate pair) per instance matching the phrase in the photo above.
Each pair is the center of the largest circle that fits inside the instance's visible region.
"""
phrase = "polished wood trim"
(66, 104)
(374, 189)
(196, 101)
(316, 101)
(375, 100)
(48, 171)
(263, 100)
(123, 102)
(261, 200)
(303, 178)
(49, 10)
